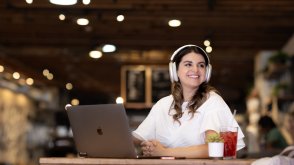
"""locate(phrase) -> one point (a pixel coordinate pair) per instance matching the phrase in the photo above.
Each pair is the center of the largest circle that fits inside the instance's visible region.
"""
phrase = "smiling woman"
(178, 124)
(38, 35)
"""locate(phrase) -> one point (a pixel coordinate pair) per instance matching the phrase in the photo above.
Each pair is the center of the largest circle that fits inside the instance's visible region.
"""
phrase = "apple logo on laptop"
(99, 131)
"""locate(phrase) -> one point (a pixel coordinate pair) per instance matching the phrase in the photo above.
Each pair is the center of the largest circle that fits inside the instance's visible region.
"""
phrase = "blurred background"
(117, 51)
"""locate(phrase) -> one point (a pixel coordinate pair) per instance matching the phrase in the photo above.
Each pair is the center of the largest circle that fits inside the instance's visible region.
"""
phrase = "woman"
(178, 124)
(271, 138)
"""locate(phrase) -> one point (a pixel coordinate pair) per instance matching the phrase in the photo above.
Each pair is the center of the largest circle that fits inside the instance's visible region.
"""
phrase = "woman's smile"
(193, 76)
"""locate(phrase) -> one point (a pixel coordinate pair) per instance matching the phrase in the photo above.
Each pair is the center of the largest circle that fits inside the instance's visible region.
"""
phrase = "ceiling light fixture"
(208, 49)
(29, 1)
(50, 76)
(82, 21)
(68, 86)
(119, 100)
(108, 48)
(86, 2)
(120, 18)
(63, 2)
(95, 54)
(46, 72)
(61, 17)
(30, 81)
(206, 42)
(1, 68)
(174, 23)
(75, 101)
(16, 75)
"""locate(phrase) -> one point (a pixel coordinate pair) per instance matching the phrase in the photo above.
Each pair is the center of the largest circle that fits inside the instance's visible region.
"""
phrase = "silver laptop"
(101, 131)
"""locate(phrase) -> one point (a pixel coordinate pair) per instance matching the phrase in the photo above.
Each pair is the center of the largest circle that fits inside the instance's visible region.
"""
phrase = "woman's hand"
(153, 148)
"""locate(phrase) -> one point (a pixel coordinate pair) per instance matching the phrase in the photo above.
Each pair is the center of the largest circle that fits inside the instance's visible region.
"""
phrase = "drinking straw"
(232, 120)
(235, 111)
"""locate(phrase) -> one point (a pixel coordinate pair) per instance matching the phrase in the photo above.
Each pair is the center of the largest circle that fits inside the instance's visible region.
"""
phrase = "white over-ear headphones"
(173, 69)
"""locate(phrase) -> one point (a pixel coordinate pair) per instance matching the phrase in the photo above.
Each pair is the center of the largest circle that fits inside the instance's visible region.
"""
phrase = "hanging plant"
(279, 58)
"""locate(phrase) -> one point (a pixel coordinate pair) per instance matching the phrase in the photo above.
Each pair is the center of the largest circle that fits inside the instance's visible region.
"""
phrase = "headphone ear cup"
(175, 75)
(208, 72)
(173, 72)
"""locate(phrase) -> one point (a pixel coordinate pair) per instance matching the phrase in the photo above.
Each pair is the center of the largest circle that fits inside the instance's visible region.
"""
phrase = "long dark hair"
(200, 95)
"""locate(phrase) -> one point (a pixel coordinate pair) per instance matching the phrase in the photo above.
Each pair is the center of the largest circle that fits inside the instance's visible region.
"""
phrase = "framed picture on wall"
(134, 86)
(160, 83)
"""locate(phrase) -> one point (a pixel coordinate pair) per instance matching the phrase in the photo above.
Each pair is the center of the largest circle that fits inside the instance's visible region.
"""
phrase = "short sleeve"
(215, 113)
(146, 130)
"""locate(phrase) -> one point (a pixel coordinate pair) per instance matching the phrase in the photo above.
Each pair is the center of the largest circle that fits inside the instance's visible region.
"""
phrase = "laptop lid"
(101, 131)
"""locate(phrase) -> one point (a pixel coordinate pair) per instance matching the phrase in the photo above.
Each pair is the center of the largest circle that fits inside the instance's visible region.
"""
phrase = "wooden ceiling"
(32, 38)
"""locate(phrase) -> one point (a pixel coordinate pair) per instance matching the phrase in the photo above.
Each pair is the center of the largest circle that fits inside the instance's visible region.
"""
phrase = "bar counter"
(96, 161)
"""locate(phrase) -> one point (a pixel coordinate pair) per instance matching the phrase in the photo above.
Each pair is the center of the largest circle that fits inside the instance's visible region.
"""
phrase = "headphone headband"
(190, 45)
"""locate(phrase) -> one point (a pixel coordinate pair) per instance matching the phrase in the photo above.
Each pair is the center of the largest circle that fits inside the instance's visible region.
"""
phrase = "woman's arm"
(155, 148)
(198, 151)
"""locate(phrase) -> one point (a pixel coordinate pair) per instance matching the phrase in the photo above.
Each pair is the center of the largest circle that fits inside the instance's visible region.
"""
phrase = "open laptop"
(101, 131)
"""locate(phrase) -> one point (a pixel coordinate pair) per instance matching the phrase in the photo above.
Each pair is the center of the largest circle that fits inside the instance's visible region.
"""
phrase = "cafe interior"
(118, 51)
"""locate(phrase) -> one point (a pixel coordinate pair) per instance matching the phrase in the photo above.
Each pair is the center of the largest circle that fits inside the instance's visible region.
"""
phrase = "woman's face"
(192, 70)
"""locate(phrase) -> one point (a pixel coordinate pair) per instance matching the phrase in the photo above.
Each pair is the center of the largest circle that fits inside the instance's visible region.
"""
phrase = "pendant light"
(63, 2)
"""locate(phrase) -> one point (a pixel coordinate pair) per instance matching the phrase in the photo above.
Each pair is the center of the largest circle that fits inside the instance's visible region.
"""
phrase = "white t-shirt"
(211, 115)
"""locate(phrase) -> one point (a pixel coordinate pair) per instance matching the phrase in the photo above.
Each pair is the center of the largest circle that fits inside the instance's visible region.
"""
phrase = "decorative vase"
(216, 149)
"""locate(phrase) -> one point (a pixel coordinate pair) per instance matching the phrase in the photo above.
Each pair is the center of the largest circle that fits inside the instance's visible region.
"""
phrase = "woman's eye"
(188, 64)
(201, 65)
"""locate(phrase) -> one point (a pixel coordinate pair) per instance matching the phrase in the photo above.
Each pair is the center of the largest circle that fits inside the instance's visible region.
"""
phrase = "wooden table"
(95, 161)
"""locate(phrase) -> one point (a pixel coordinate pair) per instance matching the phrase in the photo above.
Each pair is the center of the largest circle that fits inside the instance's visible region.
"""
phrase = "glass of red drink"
(229, 134)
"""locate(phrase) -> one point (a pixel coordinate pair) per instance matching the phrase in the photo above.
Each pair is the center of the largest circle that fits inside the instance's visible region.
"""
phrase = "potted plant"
(215, 145)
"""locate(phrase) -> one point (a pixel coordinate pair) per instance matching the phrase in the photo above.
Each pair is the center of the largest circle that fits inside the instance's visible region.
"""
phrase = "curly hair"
(197, 100)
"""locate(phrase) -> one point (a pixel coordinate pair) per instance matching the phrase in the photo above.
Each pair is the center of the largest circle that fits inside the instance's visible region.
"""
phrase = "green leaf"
(214, 137)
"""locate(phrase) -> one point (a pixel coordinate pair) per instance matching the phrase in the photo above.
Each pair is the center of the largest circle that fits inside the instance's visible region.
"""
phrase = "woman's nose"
(195, 68)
